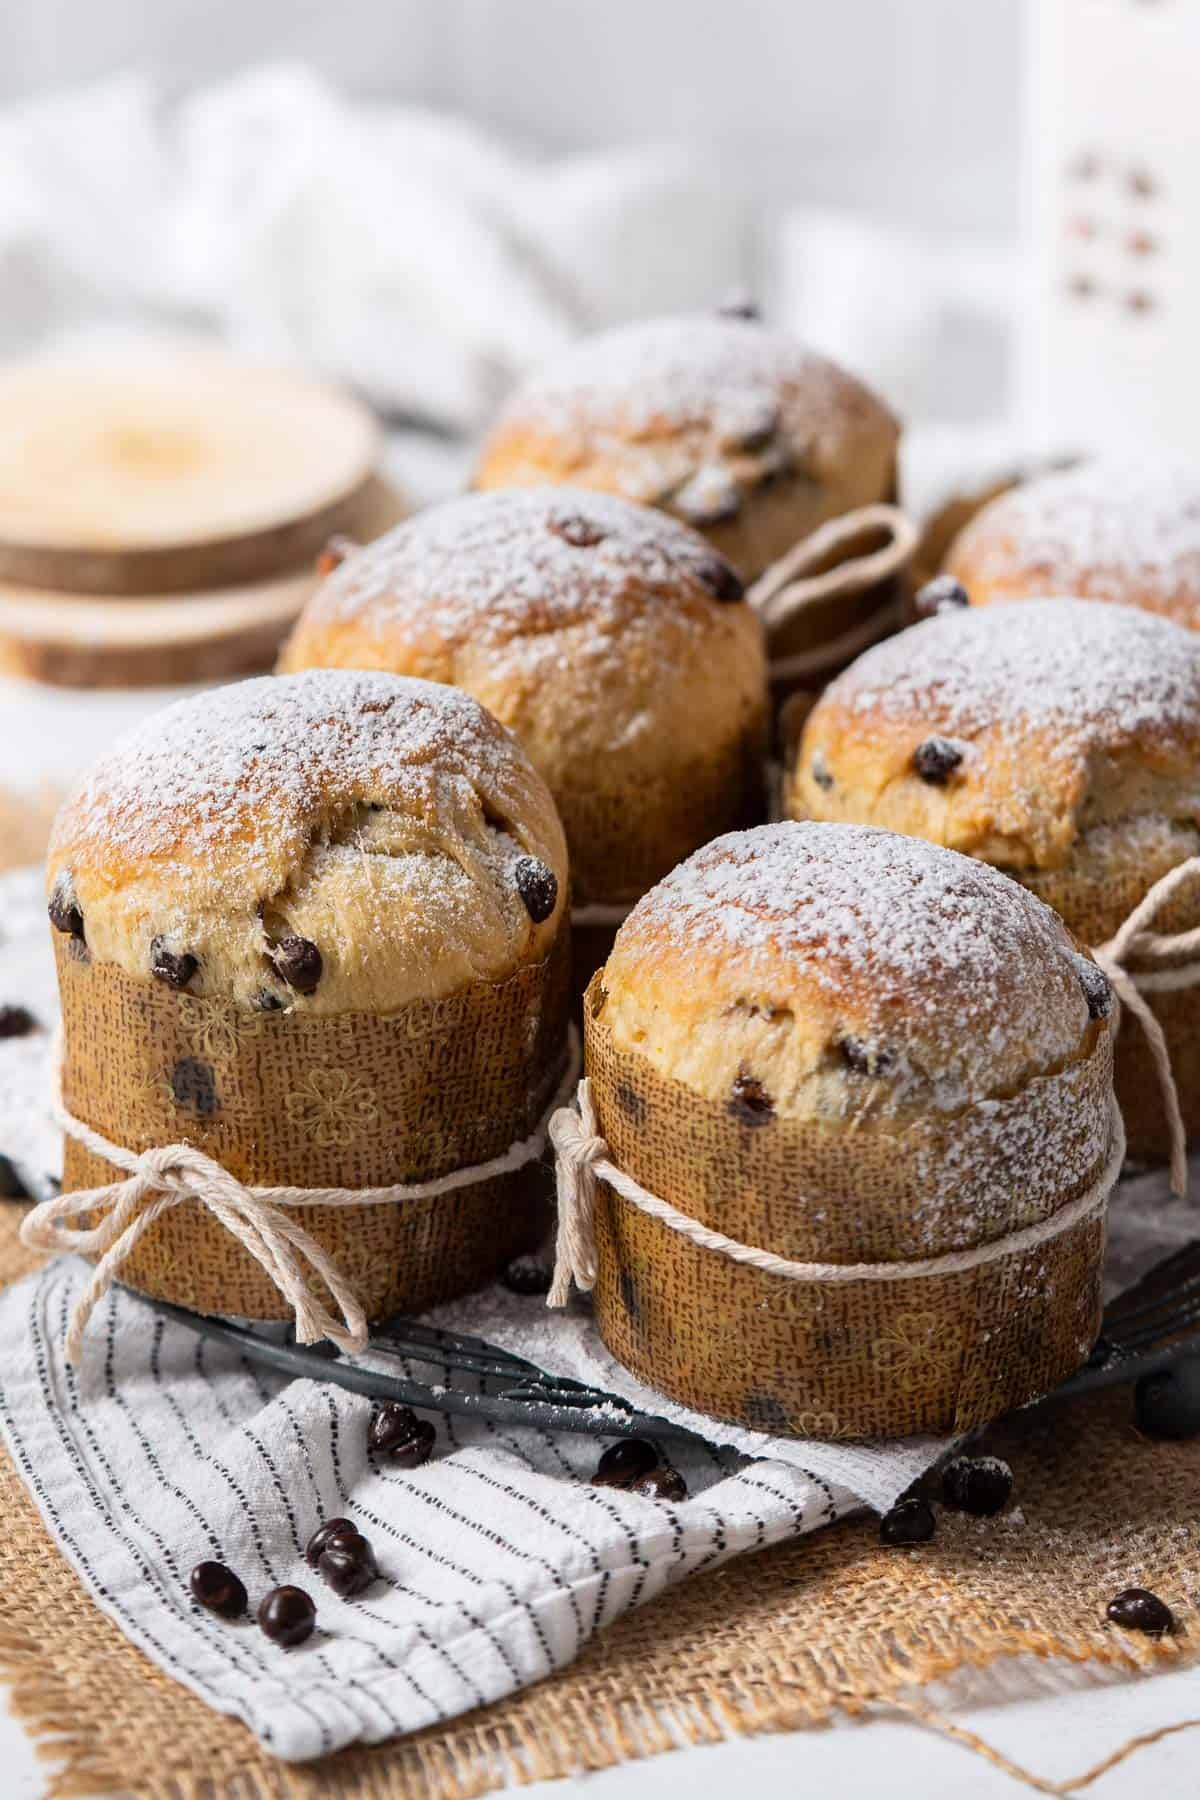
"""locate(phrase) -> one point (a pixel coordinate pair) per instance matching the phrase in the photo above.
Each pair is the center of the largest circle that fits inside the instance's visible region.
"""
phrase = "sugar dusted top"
(863, 953)
(1114, 530)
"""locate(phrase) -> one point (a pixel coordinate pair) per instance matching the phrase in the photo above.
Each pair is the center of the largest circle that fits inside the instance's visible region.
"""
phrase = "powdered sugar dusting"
(917, 934)
(669, 374)
(1120, 531)
(1090, 677)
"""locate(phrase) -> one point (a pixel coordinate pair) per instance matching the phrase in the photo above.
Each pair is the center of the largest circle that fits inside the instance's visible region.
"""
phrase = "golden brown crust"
(735, 428)
(392, 824)
(610, 639)
(1125, 534)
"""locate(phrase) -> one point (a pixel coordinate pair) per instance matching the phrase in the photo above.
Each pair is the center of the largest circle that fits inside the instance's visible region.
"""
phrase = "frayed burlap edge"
(773, 1642)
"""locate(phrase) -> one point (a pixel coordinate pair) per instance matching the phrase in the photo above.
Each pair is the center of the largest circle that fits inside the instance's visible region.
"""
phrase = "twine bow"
(584, 1160)
(1160, 971)
(171, 1175)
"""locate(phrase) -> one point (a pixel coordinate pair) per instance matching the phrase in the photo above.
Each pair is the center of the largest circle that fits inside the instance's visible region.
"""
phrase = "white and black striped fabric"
(498, 1559)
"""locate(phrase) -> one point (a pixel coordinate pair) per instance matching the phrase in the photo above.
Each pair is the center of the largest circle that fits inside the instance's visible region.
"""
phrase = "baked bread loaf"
(1104, 530)
(315, 927)
(845, 1047)
(733, 427)
(613, 641)
(1056, 739)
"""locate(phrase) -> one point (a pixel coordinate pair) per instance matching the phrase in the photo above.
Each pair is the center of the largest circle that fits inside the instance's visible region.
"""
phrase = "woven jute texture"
(356, 1100)
(857, 1359)
(772, 1642)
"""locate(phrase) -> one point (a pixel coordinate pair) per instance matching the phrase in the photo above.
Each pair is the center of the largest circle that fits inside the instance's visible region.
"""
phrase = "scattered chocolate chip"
(287, 1616)
(1136, 1609)
(298, 962)
(266, 1001)
(537, 886)
(751, 1102)
(820, 770)
(936, 760)
(1097, 989)
(710, 497)
(661, 1483)
(625, 1462)
(527, 1275)
(942, 594)
(979, 1485)
(219, 1589)
(397, 1432)
(910, 1521)
(334, 553)
(64, 910)
(575, 530)
(347, 1564)
(11, 1185)
(739, 305)
(721, 579)
(174, 967)
(194, 1084)
(16, 1022)
(1166, 1404)
(865, 1059)
(324, 1535)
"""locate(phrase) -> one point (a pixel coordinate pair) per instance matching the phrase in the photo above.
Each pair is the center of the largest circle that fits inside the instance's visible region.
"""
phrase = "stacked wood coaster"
(162, 507)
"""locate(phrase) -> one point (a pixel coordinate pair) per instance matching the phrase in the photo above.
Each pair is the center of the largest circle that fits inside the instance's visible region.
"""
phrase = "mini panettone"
(1060, 741)
(312, 930)
(864, 1097)
(735, 428)
(1107, 530)
(613, 641)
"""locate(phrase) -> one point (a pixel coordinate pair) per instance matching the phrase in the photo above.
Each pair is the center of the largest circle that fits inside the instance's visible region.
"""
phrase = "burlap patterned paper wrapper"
(867, 1359)
(355, 1100)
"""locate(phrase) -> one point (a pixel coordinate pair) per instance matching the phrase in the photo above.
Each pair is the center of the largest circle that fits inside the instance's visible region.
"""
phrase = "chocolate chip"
(537, 886)
(266, 1001)
(1097, 989)
(219, 1589)
(334, 553)
(936, 759)
(721, 579)
(625, 1462)
(397, 1432)
(324, 1535)
(16, 1022)
(194, 1085)
(65, 914)
(910, 1521)
(347, 1563)
(710, 497)
(942, 594)
(174, 967)
(751, 1102)
(865, 1059)
(661, 1483)
(1166, 1404)
(739, 306)
(287, 1616)
(575, 530)
(1137, 1609)
(820, 770)
(11, 1185)
(979, 1485)
(527, 1275)
(298, 962)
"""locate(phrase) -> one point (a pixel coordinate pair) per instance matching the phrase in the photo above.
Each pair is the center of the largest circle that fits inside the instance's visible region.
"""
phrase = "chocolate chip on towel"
(219, 1589)
(16, 1021)
(287, 1615)
(625, 1462)
(910, 1521)
(397, 1432)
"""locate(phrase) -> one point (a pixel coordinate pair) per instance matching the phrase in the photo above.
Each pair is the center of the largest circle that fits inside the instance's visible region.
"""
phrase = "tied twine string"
(800, 581)
(172, 1175)
(1160, 971)
(584, 1160)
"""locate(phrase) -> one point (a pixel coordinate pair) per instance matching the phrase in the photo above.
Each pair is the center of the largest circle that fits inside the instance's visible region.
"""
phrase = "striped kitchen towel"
(497, 1559)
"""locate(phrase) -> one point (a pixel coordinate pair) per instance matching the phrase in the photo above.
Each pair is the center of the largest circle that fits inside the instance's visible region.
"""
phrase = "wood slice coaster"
(81, 640)
(171, 468)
